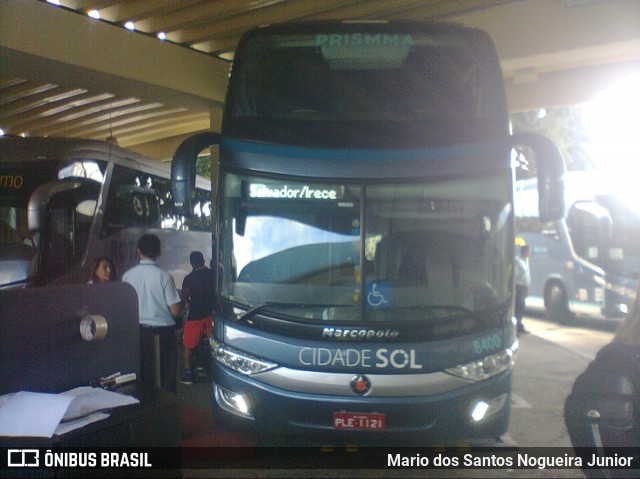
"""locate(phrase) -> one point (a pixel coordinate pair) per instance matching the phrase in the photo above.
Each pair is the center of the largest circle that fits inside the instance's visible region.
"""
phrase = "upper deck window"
(356, 87)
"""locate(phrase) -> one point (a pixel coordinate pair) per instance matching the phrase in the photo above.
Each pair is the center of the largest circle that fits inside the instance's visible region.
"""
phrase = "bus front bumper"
(478, 410)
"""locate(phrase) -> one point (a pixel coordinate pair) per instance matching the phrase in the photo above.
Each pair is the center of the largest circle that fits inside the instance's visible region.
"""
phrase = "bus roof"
(17, 148)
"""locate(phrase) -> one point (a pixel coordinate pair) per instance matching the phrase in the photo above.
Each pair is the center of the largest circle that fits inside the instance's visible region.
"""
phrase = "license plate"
(359, 421)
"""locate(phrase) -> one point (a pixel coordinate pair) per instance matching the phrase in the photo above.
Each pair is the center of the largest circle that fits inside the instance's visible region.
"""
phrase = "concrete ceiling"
(63, 73)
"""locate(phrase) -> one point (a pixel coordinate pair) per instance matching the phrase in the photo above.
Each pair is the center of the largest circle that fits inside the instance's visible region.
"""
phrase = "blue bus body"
(364, 234)
(317, 379)
(586, 264)
(403, 366)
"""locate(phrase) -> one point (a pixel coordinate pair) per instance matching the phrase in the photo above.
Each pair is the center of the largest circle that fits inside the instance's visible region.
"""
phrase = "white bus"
(65, 202)
(586, 264)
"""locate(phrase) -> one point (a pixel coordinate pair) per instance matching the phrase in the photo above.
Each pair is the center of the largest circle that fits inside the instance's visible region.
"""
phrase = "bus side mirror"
(183, 169)
(550, 170)
(59, 215)
(43, 195)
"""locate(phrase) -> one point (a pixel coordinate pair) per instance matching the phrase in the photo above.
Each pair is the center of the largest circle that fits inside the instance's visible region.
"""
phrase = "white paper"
(87, 400)
(65, 427)
(32, 414)
(41, 415)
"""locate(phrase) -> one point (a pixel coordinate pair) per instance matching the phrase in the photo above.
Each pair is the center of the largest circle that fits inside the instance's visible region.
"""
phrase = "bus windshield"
(622, 255)
(365, 86)
(357, 252)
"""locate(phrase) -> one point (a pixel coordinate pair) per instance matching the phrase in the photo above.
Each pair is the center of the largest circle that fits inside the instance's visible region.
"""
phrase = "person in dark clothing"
(198, 292)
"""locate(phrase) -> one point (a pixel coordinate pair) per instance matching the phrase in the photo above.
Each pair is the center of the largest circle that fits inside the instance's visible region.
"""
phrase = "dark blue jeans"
(159, 357)
(521, 294)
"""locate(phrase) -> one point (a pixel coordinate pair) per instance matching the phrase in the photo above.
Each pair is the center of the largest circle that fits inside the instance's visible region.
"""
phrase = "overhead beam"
(567, 87)
(553, 52)
(556, 52)
(39, 41)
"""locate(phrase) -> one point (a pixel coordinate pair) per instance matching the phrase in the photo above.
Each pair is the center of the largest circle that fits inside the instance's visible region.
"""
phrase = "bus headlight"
(482, 410)
(486, 367)
(235, 403)
(239, 361)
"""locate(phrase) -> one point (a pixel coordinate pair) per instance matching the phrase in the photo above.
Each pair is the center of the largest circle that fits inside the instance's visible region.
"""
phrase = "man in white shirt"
(523, 281)
(158, 303)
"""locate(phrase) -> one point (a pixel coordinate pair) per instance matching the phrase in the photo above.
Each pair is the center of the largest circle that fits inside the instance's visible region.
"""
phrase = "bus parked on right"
(587, 263)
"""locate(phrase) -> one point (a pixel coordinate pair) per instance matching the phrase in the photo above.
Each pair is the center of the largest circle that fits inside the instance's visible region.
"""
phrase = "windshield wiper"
(249, 313)
(450, 310)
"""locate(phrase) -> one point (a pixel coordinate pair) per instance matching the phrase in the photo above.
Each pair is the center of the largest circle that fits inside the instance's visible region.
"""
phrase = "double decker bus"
(364, 233)
(586, 264)
(64, 202)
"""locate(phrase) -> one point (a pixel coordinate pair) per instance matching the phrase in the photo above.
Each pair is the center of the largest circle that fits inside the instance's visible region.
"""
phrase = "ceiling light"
(1, 132)
(129, 26)
(162, 35)
(227, 55)
(54, 2)
(94, 14)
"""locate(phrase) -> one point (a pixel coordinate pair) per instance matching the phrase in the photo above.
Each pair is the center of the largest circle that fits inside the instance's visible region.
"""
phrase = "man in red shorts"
(198, 293)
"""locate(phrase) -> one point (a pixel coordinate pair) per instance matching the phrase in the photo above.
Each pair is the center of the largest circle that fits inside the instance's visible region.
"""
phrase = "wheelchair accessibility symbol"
(378, 295)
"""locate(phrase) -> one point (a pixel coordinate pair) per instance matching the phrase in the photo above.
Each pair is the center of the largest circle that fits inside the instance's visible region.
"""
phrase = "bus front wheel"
(557, 304)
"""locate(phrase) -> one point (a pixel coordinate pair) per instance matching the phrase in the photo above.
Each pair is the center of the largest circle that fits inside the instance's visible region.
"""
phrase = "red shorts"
(194, 330)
